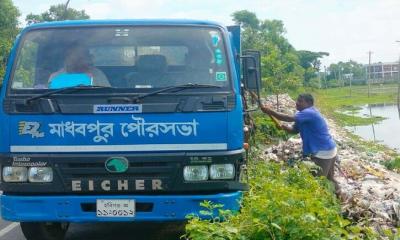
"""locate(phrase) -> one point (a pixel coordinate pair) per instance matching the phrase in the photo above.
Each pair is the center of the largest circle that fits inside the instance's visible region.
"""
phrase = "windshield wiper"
(176, 88)
(64, 90)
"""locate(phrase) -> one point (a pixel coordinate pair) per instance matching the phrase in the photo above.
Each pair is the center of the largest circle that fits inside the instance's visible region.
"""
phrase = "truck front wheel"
(44, 230)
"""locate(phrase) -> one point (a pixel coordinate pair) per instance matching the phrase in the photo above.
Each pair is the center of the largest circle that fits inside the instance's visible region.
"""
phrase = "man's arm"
(279, 116)
(269, 111)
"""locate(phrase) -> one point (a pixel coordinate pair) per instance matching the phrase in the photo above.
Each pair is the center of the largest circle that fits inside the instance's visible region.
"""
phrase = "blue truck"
(122, 120)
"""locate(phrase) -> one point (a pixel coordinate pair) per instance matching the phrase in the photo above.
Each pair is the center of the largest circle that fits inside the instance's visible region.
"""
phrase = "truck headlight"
(15, 174)
(195, 173)
(222, 171)
(40, 174)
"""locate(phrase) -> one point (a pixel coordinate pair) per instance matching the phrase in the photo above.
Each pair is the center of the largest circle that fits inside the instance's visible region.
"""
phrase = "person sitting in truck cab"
(78, 62)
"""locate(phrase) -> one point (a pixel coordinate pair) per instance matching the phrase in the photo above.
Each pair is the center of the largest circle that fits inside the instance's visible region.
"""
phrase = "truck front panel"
(122, 113)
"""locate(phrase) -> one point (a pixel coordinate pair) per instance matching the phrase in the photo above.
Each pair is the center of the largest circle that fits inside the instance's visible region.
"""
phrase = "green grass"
(393, 165)
(282, 203)
(345, 119)
(352, 108)
(267, 133)
(370, 146)
(334, 101)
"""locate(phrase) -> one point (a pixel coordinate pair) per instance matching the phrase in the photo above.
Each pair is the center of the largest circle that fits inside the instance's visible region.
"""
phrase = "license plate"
(115, 208)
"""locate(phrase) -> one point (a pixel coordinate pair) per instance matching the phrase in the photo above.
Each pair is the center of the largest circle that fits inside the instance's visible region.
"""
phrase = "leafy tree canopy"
(57, 13)
(311, 63)
(351, 67)
(246, 19)
(8, 16)
(280, 64)
(311, 59)
(283, 67)
(8, 30)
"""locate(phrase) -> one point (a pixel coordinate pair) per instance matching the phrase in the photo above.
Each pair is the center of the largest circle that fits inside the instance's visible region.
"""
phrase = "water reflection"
(398, 109)
(387, 131)
(372, 124)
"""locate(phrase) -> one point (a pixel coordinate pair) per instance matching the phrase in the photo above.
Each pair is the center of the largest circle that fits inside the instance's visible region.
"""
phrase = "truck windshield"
(139, 58)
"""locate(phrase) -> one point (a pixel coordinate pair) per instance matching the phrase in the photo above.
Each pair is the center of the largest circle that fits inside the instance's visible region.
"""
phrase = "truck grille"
(147, 171)
(97, 170)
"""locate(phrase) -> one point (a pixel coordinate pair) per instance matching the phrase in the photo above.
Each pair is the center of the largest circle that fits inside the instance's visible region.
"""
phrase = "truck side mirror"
(252, 70)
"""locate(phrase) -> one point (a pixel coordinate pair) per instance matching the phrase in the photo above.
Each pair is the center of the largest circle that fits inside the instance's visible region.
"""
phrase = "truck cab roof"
(139, 22)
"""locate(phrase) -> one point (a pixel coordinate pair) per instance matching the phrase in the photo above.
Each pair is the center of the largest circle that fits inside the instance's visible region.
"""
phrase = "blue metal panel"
(232, 64)
(127, 129)
(68, 208)
(118, 129)
(212, 127)
(235, 118)
(235, 126)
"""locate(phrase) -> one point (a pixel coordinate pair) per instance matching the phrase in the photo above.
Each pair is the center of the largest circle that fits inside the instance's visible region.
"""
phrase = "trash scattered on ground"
(284, 103)
(367, 190)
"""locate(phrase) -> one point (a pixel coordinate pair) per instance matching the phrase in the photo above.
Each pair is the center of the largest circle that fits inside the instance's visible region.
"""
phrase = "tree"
(281, 73)
(8, 30)
(280, 64)
(250, 29)
(246, 19)
(338, 72)
(57, 13)
(311, 63)
(283, 67)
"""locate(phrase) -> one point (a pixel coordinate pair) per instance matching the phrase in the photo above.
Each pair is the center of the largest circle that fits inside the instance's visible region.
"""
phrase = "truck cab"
(128, 120)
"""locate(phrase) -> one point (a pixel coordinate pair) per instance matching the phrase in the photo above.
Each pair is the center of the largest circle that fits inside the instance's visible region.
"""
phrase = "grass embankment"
(283, 202)
(334, 101)
(286, 202)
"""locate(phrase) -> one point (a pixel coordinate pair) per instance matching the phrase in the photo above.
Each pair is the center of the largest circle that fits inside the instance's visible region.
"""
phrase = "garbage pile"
(288, 151)
(282, 102)
(368, 191)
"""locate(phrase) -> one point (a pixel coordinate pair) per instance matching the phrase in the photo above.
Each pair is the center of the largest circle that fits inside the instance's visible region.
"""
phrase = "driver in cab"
(78, 70)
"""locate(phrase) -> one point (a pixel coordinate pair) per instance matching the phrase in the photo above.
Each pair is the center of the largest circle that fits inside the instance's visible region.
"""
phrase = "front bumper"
(83, 208)
(166, 167)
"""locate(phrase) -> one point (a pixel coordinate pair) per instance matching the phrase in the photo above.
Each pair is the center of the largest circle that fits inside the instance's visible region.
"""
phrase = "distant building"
(383, 72)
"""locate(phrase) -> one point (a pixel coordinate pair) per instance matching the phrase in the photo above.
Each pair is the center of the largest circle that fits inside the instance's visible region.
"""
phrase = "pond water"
(387, 131)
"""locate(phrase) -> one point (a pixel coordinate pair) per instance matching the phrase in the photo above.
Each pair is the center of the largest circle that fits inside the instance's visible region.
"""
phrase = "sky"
(347, 29)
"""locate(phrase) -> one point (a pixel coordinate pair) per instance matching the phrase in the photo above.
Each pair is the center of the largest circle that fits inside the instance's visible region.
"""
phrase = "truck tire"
(44, 230)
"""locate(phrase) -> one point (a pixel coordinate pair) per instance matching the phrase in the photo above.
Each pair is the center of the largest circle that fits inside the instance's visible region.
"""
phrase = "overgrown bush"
(266, 130)
(333, 83)
(282, 203)
(314, 83)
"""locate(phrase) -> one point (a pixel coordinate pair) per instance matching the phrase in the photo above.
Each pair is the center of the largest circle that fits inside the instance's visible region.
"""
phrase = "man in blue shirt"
(317, 142)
